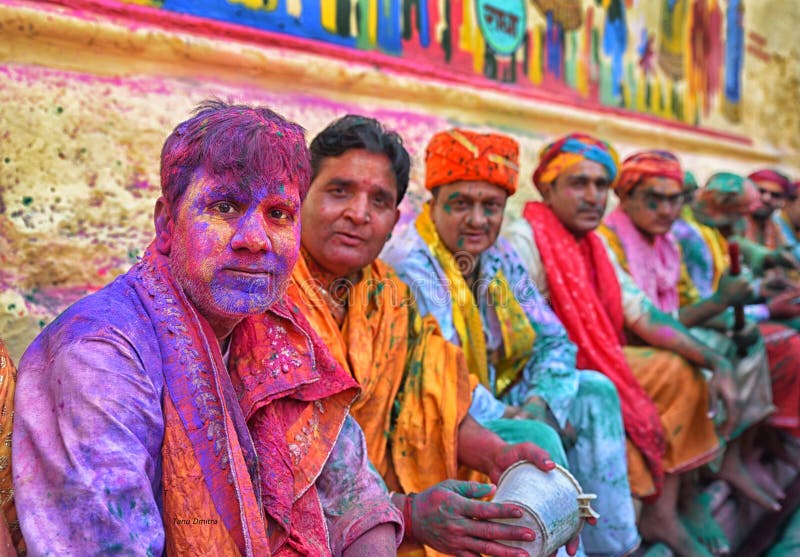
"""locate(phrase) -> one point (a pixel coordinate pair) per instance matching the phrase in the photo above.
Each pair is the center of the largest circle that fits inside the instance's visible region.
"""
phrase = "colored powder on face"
(27, 200)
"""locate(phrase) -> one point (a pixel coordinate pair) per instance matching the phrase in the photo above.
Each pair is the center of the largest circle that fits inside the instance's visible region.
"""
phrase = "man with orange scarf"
(151, 418)
(597, 303)
(480, 293)
(416, 388)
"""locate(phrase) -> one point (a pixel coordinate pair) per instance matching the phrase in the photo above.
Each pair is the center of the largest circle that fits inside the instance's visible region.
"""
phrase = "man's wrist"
(408, 509)
(718, 298)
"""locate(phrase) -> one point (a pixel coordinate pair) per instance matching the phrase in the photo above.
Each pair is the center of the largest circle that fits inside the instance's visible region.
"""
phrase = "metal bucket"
(553, 506)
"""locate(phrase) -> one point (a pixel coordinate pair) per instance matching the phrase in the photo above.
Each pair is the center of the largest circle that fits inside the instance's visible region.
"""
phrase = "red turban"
(647, 164)
(769, 175)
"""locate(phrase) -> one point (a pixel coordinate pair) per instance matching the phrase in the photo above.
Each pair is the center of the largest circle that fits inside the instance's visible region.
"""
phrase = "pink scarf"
(262, 431)
(655, 267)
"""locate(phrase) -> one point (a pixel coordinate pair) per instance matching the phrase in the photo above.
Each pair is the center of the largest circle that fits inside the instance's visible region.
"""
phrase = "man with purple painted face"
(148, 423)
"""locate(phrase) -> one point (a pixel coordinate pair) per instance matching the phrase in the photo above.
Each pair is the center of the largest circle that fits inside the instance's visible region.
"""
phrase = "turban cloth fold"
(769, 175)
(725, 194)
(568, 151)
(460, 155)
(647, 164)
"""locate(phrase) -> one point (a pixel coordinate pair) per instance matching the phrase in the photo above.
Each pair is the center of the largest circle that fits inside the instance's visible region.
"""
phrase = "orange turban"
(647, 164)
(457, 155)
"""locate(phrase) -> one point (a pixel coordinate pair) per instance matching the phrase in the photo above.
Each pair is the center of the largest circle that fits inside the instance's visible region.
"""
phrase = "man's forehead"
(348, 169)
(249, 186)
(586, 168)
(661, 184)
(473, 190)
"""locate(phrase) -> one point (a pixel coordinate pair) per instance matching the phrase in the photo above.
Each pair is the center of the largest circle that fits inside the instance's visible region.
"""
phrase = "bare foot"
(698, 519)
(765, 479)
(735, 472)
(656, 526)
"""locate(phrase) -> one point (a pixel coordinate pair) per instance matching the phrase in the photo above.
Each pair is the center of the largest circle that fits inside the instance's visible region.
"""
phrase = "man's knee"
(599, 388)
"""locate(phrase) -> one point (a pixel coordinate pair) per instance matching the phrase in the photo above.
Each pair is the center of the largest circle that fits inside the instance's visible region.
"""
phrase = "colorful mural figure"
(734, 59)
(665, 59)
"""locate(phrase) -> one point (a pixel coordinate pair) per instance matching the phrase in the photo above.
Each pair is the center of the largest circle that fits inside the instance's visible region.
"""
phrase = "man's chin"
(585, 225)
(238, 304)
(347, 262)
(252, 305)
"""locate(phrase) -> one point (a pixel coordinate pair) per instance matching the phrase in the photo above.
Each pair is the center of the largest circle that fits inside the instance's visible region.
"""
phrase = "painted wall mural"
(675, 59)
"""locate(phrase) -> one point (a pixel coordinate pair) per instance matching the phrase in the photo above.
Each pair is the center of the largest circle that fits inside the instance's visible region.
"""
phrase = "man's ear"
(545, 191)
(162, 218)
(396, 217)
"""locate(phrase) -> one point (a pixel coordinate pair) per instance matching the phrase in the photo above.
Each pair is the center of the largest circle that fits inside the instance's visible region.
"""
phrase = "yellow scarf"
(518, 334)
(716, 243)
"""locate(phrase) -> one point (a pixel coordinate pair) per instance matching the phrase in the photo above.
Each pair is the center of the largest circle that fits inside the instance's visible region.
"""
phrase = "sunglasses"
(653, 200)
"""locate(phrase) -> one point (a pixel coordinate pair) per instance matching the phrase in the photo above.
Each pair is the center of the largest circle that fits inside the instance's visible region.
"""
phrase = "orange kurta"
(415, 385)
(10, 534)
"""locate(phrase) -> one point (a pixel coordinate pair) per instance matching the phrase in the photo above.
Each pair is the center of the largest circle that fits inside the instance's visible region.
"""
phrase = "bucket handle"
(585, 509)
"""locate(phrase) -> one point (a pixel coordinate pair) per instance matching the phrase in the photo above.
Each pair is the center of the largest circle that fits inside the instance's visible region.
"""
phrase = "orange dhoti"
(680, 393)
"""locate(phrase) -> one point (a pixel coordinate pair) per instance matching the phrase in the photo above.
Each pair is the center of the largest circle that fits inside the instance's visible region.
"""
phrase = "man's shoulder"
(114, 314)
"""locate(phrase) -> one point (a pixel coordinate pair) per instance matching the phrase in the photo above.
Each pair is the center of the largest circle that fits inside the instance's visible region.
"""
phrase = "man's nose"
(477, 215)
(251, 233)
(591, 193)
(358, 210)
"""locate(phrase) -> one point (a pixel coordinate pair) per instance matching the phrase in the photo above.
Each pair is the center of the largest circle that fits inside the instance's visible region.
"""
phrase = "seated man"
(774, 189)
(597, 303)
(714, 213)
(479, 291)
(415, 386)
(141, 427)
(651, 192)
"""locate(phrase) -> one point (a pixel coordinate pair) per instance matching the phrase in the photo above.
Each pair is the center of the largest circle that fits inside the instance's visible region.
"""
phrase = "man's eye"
(280, 214)
(224, 207)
